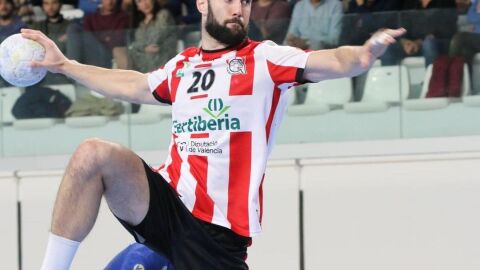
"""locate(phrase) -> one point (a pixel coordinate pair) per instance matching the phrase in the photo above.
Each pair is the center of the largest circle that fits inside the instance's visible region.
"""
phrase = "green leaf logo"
(215, 108)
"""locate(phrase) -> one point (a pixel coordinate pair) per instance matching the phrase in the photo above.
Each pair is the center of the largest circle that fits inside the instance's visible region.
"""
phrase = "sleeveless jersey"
(226, 108)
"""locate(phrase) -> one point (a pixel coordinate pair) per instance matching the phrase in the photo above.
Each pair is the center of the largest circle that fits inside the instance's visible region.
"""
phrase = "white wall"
(278, 246)
(8, 222)
(37, 194)
(392, 213)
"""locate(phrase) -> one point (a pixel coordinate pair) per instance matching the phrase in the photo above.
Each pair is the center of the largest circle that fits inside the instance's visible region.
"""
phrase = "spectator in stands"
(55, 27)
(68, 4)
(363, 6)
(24, 10)
(188, 19)
(102, 38)
(315, 24)
(271, 17)
(462, 5)
(155, 37)
(430, 26)
(467, 44)
(364, 17)
(10, 23)
(192, 16)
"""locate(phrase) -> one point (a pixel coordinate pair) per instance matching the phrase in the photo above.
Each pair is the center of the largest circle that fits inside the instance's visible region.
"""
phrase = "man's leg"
(96, 168)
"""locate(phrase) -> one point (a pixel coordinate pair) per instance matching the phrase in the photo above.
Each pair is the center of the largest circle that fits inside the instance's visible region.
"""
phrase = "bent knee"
(93, 151)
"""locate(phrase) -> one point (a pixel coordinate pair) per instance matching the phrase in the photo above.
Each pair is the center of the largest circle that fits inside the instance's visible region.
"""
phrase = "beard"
(222, 33)
(54, 16)
(6, 16)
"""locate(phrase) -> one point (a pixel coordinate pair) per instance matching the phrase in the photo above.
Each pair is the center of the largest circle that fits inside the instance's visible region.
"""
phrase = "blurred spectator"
(315, 24)
(430, 26)
(10, 23)
(345, 4)
(191, 17)
(188, 18)
(364, 17)
(65, 3)
(55, 27)
(363, 6)
(155, 38)
(467, 44)
(25, 10)
(462, 5)
(102, 38)
(271, 17)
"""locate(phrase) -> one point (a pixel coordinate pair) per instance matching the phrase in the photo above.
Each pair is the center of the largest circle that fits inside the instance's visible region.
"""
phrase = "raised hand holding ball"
(16, 56)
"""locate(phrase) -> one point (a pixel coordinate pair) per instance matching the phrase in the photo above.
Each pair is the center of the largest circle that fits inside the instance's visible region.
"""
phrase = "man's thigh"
(125, 184)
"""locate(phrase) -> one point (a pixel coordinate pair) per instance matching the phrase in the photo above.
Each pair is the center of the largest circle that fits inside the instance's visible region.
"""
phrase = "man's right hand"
(54, 58)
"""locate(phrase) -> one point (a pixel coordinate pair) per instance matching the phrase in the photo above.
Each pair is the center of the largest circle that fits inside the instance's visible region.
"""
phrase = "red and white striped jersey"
(226, 108)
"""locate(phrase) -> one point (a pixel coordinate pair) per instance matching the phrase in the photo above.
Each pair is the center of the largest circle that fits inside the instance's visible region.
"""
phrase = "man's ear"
(202, 6)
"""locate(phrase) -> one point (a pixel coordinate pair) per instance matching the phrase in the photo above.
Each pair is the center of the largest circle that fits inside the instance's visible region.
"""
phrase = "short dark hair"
(59, 1)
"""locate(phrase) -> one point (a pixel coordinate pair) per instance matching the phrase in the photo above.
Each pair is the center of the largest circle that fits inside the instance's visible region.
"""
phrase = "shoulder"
(164, 12)
(301, 3)
(164, 15)
(179, 58)
(333, 3)
(18, 21)
(90, 17)
(271, 50)
(283, 4)
(269, 44)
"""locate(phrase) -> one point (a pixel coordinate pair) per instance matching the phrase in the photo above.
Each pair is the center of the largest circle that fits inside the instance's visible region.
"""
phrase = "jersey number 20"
(206, 79)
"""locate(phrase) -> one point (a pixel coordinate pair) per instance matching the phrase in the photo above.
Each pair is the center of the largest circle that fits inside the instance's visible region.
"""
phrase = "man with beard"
(201, 208)
(9, 23)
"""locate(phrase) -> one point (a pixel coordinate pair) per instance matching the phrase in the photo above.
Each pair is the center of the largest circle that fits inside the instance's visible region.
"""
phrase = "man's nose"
(236, 8)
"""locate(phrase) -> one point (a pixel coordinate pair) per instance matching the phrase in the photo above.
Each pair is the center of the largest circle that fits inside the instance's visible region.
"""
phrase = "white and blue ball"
(16, 56)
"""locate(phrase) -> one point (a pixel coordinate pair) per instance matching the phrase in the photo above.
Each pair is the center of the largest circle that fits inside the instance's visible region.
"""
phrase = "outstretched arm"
(348, 61)
(131, 86)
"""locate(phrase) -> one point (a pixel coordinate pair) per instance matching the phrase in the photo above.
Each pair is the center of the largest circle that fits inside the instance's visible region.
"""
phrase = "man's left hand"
(378, 44)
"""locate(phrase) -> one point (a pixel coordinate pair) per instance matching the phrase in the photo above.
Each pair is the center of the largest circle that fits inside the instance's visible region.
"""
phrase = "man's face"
(51, 8)
(145, 6)
(227, 20)
(6, 10)
(108, 5)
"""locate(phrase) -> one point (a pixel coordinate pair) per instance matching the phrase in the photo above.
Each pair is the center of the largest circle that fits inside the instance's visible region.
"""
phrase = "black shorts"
(189, 243)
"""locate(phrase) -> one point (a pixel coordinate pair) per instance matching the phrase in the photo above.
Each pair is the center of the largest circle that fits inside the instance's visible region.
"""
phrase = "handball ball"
(16, 56)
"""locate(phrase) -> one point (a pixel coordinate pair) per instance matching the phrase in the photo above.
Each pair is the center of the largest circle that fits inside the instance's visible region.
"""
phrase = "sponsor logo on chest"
(236, 66)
